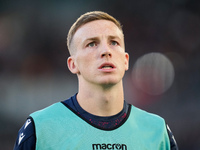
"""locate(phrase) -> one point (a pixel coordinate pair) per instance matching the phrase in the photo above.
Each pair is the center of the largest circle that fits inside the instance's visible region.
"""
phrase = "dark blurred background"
(162, 38)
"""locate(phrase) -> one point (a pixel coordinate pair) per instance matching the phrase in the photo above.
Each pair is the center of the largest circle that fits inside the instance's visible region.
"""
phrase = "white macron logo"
(21, 136)
(27, 123)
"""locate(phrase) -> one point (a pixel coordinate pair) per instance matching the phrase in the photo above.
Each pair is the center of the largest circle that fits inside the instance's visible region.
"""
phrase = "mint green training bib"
(58, 128)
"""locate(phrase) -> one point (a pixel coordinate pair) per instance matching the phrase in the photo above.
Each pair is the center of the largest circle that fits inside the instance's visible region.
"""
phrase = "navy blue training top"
(26, 139)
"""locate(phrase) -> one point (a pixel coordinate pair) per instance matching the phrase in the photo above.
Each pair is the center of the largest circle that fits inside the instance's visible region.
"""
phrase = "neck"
(101, 100)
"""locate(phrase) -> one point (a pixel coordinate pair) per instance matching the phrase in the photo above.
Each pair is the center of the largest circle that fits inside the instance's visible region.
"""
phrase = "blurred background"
(162, 38)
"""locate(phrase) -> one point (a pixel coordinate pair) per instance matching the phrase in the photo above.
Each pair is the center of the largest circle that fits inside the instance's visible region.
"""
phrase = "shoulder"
(51, 114)
(144, 115)
(26, 138)
(48, 111)
(147, 120)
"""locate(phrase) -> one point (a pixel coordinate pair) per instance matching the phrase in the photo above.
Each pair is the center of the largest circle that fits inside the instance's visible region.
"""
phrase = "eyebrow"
(91, 39)
(115, 37)
(97, 38)
(85, 41)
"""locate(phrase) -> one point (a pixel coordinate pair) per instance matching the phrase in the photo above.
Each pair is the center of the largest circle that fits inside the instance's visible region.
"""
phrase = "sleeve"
(26, 138)
(173, 144)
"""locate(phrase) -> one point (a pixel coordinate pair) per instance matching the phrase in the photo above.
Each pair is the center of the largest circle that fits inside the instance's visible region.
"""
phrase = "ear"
(72, 65)
(126, 61)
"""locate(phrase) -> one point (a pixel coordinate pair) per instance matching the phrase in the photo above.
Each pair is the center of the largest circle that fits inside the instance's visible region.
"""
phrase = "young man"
(97, 117)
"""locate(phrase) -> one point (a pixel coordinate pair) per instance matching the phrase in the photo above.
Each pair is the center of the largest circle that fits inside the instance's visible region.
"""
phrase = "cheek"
(84, 62)
(123, 61)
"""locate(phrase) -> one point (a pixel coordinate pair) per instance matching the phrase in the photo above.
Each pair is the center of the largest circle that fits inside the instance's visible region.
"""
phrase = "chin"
(110, 83)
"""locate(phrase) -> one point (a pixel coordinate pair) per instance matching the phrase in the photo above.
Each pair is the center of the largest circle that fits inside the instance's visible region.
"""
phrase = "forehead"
(97, 28)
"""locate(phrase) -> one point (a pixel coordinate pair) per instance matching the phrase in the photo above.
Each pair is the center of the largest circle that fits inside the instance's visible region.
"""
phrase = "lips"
(107, 66)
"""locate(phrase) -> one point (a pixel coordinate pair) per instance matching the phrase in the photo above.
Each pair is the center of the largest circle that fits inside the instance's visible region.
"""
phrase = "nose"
(106, 51)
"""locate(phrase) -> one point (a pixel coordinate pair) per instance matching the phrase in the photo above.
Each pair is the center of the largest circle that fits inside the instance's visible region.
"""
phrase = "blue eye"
(92, 44)
(114, 43)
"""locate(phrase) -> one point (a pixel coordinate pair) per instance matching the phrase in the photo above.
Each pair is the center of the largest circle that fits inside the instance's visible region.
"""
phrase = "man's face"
(99, 56)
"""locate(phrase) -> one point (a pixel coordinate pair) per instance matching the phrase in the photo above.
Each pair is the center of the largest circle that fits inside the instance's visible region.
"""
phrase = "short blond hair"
(88, 17)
